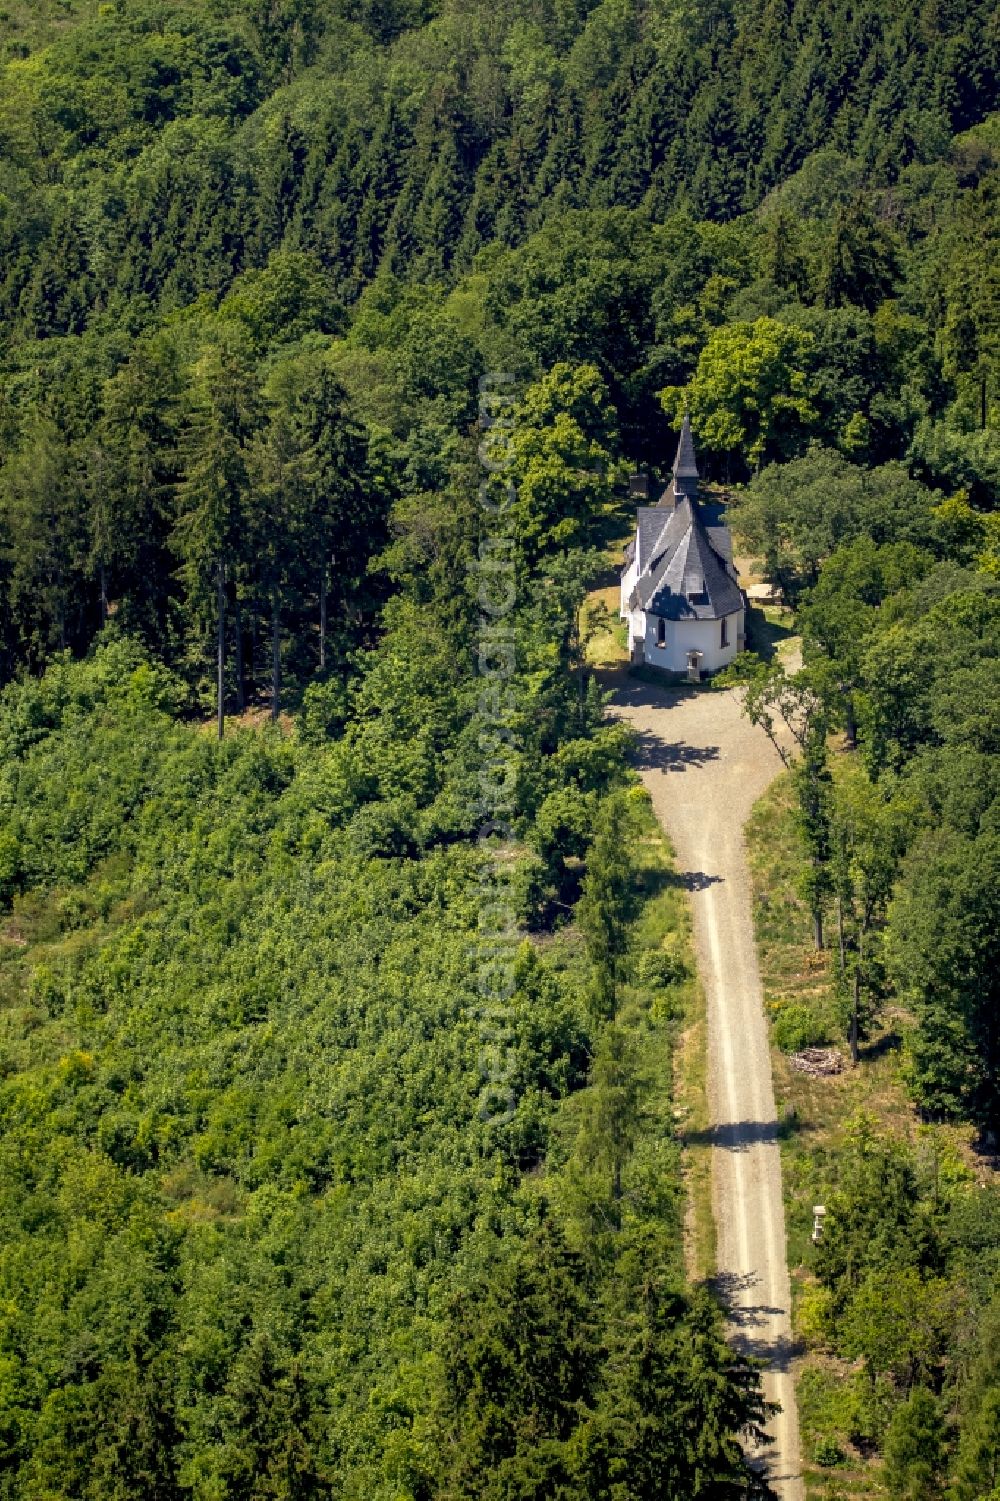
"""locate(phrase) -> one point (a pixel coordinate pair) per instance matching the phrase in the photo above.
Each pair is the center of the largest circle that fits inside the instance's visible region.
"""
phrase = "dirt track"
(704, 766)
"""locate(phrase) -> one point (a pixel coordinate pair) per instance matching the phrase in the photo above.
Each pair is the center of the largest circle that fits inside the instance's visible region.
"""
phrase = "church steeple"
(685, 464)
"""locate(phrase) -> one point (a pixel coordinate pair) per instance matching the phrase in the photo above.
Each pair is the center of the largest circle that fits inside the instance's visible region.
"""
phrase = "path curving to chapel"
(704, 766)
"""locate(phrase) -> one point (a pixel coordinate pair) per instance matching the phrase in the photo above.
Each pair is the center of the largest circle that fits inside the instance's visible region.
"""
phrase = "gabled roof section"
(721, 539)
(651, 522)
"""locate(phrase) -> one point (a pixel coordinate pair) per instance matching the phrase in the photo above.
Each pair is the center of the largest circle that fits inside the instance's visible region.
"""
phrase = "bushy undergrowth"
(260, 1237)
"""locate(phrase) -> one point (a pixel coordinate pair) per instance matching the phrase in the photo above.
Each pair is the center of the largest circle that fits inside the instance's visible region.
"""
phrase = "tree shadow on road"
(746, 1318)
(651, 753)
(697, 880)
(736, 1136)
(653, 882)
(731, 1288)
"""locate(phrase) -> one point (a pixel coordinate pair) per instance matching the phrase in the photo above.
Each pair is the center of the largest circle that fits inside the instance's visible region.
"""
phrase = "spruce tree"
(608, 905)
(213, 531)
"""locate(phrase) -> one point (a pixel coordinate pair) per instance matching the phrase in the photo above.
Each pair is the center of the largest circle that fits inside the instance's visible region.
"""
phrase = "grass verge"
(665, 927)
(663, 1012)
(691, 1092)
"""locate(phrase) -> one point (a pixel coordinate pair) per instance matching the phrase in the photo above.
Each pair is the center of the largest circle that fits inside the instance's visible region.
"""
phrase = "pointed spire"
(685, 464)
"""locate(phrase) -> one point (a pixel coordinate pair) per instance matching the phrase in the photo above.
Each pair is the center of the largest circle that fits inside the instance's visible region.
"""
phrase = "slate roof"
(649, 523)
(721, 539)
(685, 577)
(713, 514)
(685, 463)
(683, 550)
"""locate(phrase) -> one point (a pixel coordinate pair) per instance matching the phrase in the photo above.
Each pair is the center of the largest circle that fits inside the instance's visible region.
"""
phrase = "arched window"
(661, 633)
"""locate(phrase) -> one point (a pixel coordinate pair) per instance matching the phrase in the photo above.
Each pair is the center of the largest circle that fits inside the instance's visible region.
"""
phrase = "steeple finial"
(685, 464)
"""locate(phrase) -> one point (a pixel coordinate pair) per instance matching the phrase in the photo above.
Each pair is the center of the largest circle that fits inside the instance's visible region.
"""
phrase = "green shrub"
(658, 969)
(795, 1026)
(828, 1453)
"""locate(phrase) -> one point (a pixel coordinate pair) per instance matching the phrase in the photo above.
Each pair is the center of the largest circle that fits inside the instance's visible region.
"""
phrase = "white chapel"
(685, 610)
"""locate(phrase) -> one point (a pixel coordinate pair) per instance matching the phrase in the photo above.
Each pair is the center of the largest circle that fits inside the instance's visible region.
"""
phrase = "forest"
(261, 1238)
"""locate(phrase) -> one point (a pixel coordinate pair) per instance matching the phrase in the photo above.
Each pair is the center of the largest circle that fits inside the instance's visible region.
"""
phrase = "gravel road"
(704, 766)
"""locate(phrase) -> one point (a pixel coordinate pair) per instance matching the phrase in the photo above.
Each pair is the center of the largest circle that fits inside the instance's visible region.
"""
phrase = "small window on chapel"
(725, 632)
(661, 633)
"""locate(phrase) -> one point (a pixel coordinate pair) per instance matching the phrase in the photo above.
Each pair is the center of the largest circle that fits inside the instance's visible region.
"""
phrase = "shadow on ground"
(654, 754)
(655, 881)
(734, 1291)
(735, 1136)
(889, 1042)
(697, 880)
(740, 1136)
(765, 636)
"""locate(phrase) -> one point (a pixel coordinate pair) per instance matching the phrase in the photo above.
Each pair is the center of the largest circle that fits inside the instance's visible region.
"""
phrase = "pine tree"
(859, 263)
(608, 905)
(914, 1449)
(437, 222)
(44, 500)
(978, 1473)
(213, 528)
(520, 1358)
(675, 1407)
(135, 469)
(276, 523)
(343, 514)
(611, 1109)
(814, 786)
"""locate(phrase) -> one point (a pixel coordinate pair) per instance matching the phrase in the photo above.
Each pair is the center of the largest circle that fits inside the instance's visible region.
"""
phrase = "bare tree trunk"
(850, 723)
(840, 936)
(855, 1034)
(220, 665)
(251, 664)
(104, 594)
(61, 610)
(241, 696)
(275, 654)
(817, 918)
(576, 651)
(322, 621)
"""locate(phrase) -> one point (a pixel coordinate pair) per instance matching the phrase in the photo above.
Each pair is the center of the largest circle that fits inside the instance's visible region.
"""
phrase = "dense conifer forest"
(261, 1234)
